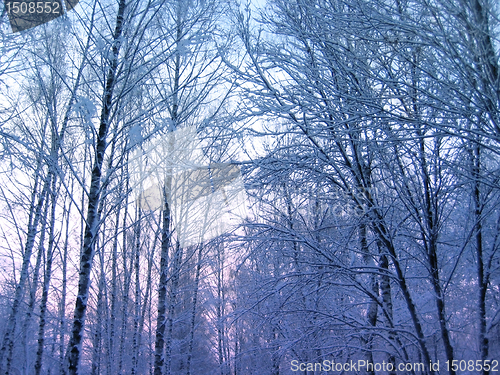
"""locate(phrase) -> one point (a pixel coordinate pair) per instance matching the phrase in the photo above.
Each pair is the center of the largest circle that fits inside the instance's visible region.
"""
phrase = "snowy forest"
(216, 187)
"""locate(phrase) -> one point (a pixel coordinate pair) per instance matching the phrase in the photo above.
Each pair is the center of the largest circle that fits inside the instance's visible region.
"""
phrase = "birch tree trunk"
(97, 328)
(64, 275)
(34, 287)
(74, 346)
(126, 287)
(161, 323)
(7, 349)
(482, 277)
(114, 294)
(193, 309)
(137, 299)
(172, 302)
(220, 307)
(48, 273)
(371, 315)
(162, 288)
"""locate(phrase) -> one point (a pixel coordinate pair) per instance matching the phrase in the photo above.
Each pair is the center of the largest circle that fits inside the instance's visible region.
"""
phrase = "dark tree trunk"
(162, 288)
(87, 254)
